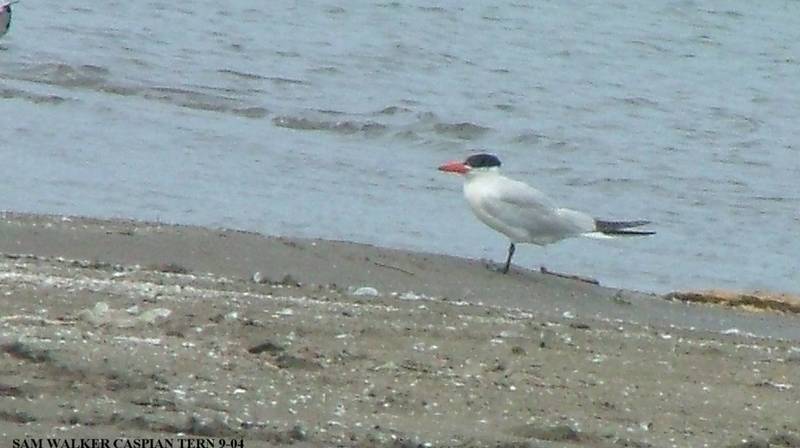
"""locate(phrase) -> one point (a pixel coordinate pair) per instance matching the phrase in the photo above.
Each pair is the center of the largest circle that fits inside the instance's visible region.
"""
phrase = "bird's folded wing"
(521, 195)
(522, 207)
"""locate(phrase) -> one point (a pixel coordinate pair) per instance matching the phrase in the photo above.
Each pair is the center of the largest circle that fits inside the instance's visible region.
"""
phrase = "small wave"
(188, 98)
(280, 80)
(640, 102)
(341, 126)
(407, 135)
(463, 131)
(96, 78)
(410, 102)
(729, 12)
(251, 112)
(257, 77)
(392, 110)
(740, 121)
(192, 99)
(422, 125)
(561, 145)
(324, 69)
(649, 46)
(431, 8)
(606, 181)
(774, 199)
(7, 93)
(66, 75)
(329, 111)
(427, 117)
(747, 144)
(121, 90)
(528, 138)
(243, 75)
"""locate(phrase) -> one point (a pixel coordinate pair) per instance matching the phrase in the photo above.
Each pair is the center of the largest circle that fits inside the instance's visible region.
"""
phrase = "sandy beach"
(129, 329)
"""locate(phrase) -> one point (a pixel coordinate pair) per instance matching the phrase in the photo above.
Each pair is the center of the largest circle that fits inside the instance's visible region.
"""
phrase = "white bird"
(523, 213)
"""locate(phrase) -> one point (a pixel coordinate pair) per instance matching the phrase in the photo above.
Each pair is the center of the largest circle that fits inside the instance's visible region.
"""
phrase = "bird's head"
(475, 164)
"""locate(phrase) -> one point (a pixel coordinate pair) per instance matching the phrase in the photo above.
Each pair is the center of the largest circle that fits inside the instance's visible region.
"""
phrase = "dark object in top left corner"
(5, 18)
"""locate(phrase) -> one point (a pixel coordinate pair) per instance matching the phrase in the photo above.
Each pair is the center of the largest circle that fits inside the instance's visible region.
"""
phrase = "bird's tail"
(621, 228)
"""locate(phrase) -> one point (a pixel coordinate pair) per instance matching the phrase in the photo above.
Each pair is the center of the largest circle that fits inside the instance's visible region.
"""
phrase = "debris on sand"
(266, 346)
(101, 314)
(365, 291)
(559, 433)
(169, 268)
(26, 351)
(757, 301)
(259, 278)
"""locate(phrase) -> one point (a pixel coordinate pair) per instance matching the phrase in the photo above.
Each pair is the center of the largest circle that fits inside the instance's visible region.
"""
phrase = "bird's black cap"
(482, 160)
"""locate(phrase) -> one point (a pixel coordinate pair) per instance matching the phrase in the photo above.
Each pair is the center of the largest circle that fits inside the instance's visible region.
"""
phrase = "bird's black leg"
(511, 249)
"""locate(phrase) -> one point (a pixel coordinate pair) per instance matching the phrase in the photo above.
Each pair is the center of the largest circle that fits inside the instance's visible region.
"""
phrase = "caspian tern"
(523, 213)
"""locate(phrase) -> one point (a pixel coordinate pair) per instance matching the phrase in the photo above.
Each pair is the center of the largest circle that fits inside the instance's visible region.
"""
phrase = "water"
(328, 120)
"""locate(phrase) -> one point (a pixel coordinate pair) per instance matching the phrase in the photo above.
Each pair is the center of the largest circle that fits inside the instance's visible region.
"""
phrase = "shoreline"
(148, 329)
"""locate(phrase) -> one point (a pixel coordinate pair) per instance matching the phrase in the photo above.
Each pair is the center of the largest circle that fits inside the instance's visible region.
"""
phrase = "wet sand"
(117, 328)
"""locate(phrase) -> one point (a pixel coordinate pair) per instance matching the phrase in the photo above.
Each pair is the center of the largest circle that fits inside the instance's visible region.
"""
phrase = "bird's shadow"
(499, 267)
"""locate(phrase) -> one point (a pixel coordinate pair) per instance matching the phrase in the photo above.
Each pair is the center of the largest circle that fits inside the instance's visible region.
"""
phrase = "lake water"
(329, 119)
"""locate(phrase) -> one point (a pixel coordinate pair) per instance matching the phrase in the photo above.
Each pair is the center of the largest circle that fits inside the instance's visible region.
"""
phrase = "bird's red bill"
(454, 167)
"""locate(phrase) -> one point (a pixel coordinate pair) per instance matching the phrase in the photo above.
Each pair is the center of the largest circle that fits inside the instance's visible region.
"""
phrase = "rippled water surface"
(329, 119)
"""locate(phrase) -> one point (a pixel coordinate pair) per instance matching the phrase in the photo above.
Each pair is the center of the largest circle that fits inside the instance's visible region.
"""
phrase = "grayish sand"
(124, 328)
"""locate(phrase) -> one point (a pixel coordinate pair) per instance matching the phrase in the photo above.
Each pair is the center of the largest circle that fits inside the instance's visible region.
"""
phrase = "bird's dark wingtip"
(623, 232)
(608, 226)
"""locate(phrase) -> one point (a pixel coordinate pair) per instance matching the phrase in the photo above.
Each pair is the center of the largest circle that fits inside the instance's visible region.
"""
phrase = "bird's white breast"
(479, 191)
